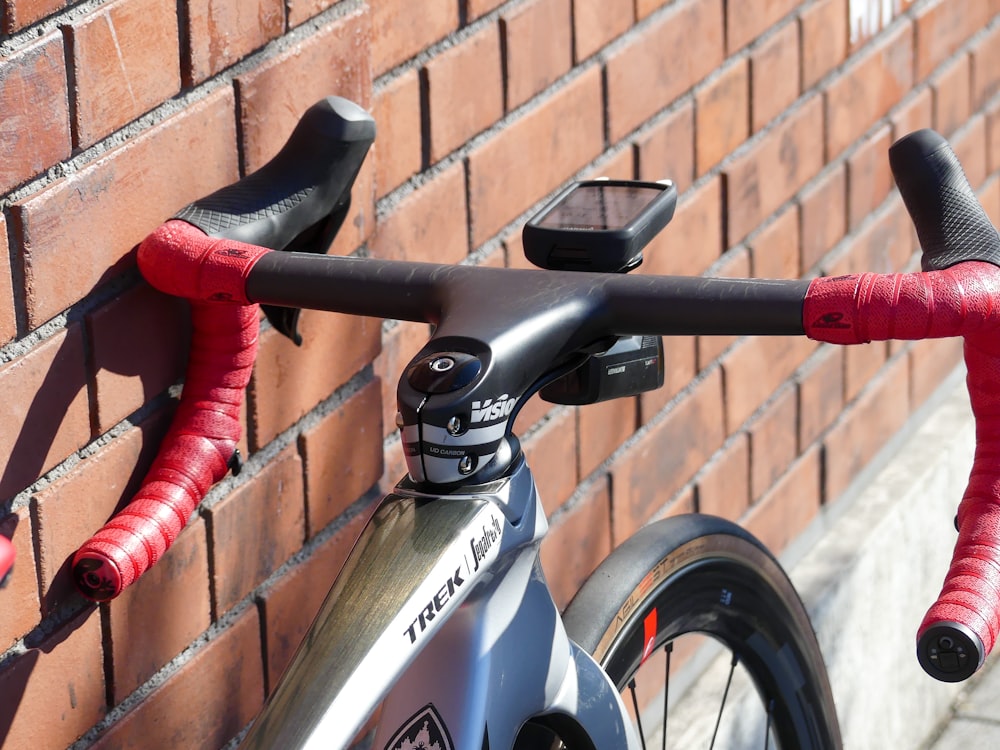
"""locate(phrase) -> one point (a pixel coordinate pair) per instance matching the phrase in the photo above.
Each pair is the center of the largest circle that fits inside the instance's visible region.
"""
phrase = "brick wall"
(773, 117)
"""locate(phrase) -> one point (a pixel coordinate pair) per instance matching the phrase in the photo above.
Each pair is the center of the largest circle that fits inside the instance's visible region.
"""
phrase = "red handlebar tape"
(963, 300)
(196, 453)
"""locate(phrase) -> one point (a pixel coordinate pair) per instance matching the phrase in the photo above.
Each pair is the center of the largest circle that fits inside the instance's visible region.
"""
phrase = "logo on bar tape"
(831, 320)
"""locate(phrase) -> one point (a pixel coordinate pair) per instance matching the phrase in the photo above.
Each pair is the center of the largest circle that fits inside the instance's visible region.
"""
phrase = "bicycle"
(446, 571)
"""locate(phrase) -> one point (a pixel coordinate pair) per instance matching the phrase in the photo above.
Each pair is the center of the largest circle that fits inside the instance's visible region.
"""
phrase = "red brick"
(34, 110)
(773, 441)
(290, 381)
(534, 154)
(619, 166)
(724, 487)
(597, 22)
(130, 366)
(256, 528)
(651, 471)
(429, 224)
(16, 14)
(823, 214)
(869, 179)
(20, 612)
(989, 197)
(302, 10)
(985, 69)
(8, 320)
(649, 63)
(679, 368)
(868, 89)
(120, 198)
(824, 39)
(399, 345)
(860, 365)
(402, 28)
(916, 112)
(952, 96)
(774, 169)
(342, 456)
(273, 96)
(289, 606)
(722, 113)
(44, 414)
(126, 61)
(161, 613)
(220, 34)
(931, 362)
(464, 91)
(774, 75)
(821, 393)
(788, 509)
(693, 240)
(754, 369)
(775, 251)
(55, 692)
(551, 451)
(993, 137)
(397, 149)
(644, 8)
(210, 698)
(941, 28)
(971, 148)
(748, 19)
(864, 427)
(883, 246)
(578, 540)
(666, 151)
(477, 8)
(76, 505)
(603, 428)
(538, 46)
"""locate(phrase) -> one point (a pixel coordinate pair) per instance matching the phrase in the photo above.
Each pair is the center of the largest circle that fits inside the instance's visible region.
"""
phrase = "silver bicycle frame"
(442, 611)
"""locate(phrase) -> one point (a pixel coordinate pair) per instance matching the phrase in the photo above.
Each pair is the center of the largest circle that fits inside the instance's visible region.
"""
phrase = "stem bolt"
(466, 464)
(455, 426)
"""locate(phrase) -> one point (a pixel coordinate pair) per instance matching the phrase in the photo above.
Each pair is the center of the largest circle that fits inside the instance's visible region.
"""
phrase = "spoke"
(635, 705)
(725, 695)
(669, 649)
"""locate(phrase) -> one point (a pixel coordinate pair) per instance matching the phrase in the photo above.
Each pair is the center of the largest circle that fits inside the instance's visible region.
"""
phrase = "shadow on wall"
(111, 363)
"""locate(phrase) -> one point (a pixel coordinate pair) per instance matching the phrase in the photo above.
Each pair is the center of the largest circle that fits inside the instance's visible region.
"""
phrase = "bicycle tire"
(701, 574)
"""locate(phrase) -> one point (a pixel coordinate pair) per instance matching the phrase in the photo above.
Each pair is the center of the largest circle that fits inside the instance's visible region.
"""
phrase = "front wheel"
(703, 575)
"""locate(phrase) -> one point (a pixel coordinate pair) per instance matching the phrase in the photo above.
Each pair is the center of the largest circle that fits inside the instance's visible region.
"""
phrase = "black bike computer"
(599, 225)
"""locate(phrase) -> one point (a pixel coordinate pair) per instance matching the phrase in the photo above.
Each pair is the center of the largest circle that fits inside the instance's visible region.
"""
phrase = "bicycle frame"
(463, 639)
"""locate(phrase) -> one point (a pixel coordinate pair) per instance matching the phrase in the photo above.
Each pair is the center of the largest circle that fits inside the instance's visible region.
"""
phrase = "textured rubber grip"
(308, 179)
(949, 219)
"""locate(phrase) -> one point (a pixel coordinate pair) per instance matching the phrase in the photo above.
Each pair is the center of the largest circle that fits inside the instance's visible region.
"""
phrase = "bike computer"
(599, 225)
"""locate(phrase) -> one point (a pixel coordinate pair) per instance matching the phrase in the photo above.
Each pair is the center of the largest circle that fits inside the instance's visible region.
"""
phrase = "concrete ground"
(974, 720)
